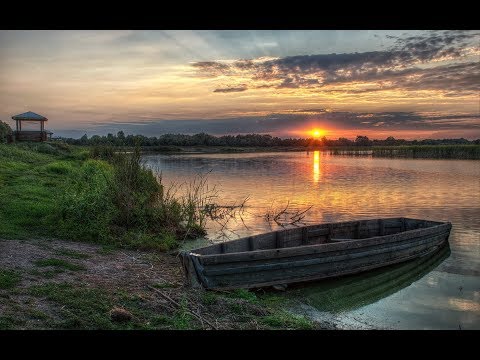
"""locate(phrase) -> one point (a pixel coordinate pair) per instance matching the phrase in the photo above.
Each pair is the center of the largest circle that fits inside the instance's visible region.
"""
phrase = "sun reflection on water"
(316, 166)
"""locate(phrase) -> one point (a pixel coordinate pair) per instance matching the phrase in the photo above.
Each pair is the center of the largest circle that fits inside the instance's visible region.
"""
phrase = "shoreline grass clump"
(8, 278)
(58, 263)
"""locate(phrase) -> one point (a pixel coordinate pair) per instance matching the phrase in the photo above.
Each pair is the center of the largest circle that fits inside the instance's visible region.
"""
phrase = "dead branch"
(179, 306)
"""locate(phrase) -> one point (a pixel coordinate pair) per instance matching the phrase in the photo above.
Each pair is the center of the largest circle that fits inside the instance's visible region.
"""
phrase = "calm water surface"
(442, 292)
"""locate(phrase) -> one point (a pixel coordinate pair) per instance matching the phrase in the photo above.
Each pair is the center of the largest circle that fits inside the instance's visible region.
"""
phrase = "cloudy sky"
(409, 84)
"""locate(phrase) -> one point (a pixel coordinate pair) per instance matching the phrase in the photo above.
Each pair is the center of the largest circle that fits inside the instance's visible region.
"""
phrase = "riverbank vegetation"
(96, 195)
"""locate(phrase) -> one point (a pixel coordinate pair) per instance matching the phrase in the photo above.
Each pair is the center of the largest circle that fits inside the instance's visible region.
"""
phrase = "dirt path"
(62, 284)
(126, 269)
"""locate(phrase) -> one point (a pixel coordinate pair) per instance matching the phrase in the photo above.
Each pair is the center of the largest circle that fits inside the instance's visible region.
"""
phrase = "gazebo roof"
(29, 115)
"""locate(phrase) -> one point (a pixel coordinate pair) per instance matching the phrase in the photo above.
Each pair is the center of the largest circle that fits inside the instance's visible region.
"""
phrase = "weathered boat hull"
(312, 252)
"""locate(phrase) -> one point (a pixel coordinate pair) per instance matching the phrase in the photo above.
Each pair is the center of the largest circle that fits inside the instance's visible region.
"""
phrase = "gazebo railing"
(30, 135)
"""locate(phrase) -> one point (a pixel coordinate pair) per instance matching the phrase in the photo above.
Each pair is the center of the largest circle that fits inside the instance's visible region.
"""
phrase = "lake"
(441, 292)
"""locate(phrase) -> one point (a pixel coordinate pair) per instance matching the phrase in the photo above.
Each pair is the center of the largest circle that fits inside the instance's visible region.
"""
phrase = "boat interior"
(318, 234)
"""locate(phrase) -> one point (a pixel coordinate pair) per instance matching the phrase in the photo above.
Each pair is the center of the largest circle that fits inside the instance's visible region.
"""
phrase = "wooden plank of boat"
(312, 252)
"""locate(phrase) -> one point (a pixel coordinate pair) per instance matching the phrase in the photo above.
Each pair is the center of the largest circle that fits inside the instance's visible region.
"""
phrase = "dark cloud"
(212, 68)
(231, 89)
(461, 79)
(401, 64)
(435, 40)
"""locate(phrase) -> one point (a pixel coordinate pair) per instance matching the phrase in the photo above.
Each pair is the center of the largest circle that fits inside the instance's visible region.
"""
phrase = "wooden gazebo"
(23, 135)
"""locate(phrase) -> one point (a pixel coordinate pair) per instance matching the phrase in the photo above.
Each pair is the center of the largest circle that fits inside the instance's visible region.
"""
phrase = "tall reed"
(467, 152)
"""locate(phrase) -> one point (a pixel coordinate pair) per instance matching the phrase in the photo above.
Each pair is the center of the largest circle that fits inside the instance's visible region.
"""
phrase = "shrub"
(102, 152)
(46, 149)
(5, 130)
(86, 209)
(122, 202)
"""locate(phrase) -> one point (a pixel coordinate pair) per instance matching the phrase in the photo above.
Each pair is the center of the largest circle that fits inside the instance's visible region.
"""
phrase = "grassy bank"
(55, 190)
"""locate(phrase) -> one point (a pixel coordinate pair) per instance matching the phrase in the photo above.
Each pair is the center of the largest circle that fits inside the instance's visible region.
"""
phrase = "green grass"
(284, 320)
(267, 309)
(243, 294)
(8, 278)
(50, 274)
(37, 314)
(209, 298)
(182, 320)
(164, 286)
(59, 263)
(73, 254)
(279, 317)
(59, 167)
(47, 274)
(8, 323)
(29, 190)
(106, 249)
(82, 307)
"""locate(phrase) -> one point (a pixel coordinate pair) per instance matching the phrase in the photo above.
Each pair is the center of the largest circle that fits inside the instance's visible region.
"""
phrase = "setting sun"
(316, 133)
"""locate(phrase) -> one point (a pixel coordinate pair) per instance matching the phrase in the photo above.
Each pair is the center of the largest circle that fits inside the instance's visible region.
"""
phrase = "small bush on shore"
(101, 152)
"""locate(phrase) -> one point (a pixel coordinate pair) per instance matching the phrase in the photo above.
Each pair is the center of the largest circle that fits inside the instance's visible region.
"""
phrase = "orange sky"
(412, 84)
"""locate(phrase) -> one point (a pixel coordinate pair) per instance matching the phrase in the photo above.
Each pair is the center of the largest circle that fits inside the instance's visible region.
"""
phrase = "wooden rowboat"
(312, 252)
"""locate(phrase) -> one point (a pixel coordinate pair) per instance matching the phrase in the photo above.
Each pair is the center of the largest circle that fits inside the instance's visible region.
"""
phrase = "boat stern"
(190, 269)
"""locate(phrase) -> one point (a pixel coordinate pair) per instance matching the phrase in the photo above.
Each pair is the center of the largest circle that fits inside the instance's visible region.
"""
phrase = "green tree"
(5, 129)
(390, 140)
(362, 141)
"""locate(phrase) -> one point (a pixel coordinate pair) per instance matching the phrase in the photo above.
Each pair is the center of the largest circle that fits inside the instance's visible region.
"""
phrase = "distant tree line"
(258, 140)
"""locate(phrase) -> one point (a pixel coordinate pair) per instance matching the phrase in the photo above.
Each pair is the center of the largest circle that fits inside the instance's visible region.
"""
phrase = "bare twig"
(285, 217)
(178, 306)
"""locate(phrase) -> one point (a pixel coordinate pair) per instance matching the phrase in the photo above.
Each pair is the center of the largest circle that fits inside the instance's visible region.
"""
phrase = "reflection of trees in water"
(352, 292)
(263, 163)
(280, 165)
